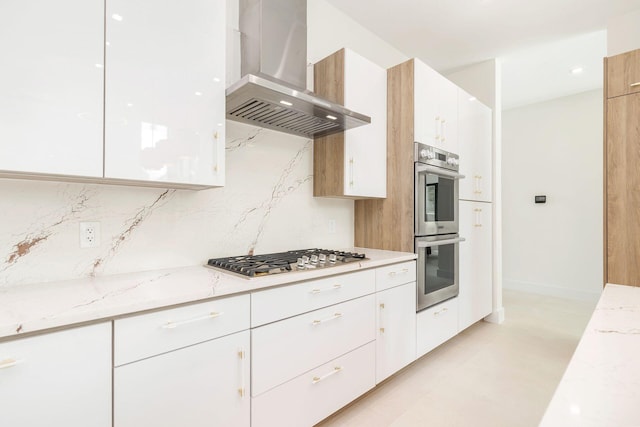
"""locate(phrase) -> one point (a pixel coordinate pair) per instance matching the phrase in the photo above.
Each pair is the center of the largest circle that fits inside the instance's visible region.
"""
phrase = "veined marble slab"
(602, 382)
(38, 307)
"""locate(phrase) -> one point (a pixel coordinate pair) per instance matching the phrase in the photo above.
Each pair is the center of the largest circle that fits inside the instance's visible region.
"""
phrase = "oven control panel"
(436, 157)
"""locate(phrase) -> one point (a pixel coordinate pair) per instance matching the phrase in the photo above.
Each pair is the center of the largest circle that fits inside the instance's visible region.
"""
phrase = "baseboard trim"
(496, 317)
(550, 290)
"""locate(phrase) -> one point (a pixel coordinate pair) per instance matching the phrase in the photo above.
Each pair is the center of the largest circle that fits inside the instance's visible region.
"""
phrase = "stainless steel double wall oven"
(436, 224)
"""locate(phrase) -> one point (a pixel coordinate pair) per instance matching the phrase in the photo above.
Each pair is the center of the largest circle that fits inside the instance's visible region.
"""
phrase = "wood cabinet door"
(623, 190)
(51, 86)
(623, 74)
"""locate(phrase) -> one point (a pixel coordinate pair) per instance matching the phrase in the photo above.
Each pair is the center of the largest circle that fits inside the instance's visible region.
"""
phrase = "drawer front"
(623, 74)
(283, 350)
(436, 325)
(395, 275)
(150, 334)
(313, 396)
(280, 303)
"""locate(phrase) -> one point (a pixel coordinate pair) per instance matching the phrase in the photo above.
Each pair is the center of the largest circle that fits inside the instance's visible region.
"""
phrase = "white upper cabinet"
(51, 86)
(165, 91)
(475, 137)
(352, 163)
(365, 91)
(435, 108)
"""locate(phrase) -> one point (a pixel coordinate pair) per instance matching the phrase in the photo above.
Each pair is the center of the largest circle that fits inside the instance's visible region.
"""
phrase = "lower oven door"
(438, 267)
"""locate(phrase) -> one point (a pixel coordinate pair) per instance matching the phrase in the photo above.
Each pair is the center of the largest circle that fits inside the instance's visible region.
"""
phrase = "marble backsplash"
(267, 205)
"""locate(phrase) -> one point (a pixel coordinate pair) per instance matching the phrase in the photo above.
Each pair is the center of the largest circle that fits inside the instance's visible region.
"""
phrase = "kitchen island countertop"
(601, 384)
(44, 306)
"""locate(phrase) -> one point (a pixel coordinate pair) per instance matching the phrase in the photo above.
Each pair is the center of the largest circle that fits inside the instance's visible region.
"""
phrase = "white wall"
(267, 204)
(554, 148)
(623, 33)
(484, 81)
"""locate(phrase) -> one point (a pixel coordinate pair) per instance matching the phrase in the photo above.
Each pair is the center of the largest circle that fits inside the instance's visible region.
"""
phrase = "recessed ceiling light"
(473, 98)
(98, 65)
(287, 103)
(577, 70)
(117, 17)
(216, 79)
(198, 93)
(332, 117)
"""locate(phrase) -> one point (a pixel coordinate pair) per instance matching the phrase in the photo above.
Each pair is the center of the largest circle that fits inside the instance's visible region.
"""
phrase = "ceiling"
(539, 41)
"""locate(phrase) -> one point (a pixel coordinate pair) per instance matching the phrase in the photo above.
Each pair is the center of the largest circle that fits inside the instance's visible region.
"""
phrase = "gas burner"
(305, 259)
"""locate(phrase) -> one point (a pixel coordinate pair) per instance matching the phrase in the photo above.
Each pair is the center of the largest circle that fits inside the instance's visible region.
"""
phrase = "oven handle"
(425, 244)
(439, 171)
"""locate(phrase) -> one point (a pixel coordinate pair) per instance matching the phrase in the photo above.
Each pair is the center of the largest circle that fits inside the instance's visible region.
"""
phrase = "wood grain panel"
(623, 74)
(388, 223)
(623, 190)
(604, 175)
(328, 151)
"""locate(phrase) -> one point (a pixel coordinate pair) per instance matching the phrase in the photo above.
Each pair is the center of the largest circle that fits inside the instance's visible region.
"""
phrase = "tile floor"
(488, 375)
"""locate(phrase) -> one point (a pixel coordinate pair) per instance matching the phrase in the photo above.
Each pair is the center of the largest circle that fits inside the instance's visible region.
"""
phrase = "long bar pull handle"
(351, 172)
(476, 184)
(394, 273)
(477, 221)
(336, 369)
(636, 84)
(317, 291)
(9, 362)
(437, 128)
(442, 138)
(172, 325)
(241, 390)
(437, 313)
(328, 319)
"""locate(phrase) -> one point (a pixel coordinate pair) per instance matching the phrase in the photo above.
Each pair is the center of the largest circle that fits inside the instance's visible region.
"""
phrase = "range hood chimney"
(272, 92)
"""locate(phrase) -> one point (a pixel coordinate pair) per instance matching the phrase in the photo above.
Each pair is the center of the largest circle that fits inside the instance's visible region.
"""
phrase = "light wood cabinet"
(51, 87)
(623, 190)
(623, 74)
(352, 164)
(206, 384)
(475, 143)
(475, 297)
(621, 176)
(57, 379)
(395, 329)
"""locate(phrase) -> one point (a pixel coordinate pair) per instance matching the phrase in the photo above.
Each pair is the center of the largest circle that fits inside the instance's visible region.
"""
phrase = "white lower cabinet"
(316, 394)
(206, 384)
(476, 284)
(396, 329)
(285, 349)
(57, 379)
(436, 325)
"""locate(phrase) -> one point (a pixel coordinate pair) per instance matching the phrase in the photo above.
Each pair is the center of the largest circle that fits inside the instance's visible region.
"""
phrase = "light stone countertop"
(602, 382)
(42, 306)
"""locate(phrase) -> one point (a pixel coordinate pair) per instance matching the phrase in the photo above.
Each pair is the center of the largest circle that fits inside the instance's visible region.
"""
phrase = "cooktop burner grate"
(305, 259)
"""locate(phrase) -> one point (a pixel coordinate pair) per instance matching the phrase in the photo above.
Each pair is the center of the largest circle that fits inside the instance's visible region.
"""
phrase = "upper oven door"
(436, 200)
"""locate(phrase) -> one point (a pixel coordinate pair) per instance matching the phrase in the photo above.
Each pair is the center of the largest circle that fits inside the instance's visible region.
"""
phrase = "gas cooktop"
(305, 259)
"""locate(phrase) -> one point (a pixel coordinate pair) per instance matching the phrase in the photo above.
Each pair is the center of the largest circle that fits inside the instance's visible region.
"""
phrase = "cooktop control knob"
(322, 258)
(333, 258)
(314, 259)
(305, 259)
(300, 263)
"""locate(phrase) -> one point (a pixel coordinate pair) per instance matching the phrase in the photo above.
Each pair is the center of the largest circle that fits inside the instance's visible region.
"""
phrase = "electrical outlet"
(89, 234)
(332, 226)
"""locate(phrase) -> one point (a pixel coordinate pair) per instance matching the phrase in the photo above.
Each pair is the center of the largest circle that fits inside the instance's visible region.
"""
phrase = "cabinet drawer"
(436, 325)
(150, 334)
(283, 350)
(623, 74)
(394, 275)
(280, 303)
(315, 395)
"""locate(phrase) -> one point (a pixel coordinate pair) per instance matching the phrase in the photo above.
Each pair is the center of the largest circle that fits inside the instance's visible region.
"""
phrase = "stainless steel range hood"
(271, 93)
